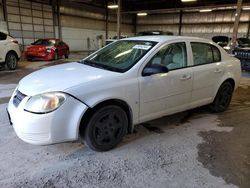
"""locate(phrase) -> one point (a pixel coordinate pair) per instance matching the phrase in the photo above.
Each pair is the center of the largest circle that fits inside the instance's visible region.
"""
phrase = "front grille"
(18, 98)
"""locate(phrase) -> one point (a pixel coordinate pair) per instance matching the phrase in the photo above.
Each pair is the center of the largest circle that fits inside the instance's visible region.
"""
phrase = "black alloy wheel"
(106, 128)
(223, 97)
(11, 60)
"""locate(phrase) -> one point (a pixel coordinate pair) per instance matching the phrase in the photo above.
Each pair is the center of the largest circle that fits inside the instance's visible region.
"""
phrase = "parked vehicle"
(148, 33)
(223, 41)
(128, 82)
(115, 38)
(242, 52)
(9, 51)
(47, 49)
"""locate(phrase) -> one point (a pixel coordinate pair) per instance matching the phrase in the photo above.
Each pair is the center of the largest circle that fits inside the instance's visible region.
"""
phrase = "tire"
(223, 98)
(106, 128)
(56, 57)
(67, 54)
(11, 61)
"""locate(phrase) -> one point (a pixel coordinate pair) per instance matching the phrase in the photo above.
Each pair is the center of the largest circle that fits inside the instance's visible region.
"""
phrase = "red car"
(47, 49)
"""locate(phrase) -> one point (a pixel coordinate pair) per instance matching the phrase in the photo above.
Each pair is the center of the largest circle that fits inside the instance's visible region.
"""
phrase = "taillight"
(15, 41)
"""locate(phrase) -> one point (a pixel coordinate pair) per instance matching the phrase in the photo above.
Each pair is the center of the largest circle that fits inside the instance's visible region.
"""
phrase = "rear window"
(3, 36)
(204, 53)
(45, 42)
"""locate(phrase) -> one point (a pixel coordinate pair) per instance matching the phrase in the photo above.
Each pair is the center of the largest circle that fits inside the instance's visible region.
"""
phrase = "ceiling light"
(113, 6)
(184, 1)
(142, 14)
(206, 10)
(246, 8)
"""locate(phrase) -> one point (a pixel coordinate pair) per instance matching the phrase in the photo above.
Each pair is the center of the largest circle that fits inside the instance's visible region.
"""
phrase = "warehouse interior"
(82, 23)
(192, 149)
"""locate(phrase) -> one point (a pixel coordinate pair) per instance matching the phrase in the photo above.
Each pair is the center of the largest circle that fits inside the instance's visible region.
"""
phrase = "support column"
(106, 20)
(119, 19)
(5, 14)
(59, 19)
(248, 30)
(180, 21)
(236, 24)
(135, 24)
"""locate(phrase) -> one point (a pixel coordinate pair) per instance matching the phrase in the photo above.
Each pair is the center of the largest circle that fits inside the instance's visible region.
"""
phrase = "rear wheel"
(56, 57)
(11, 60)
(106, 128)
(67, 54)
(223, 98)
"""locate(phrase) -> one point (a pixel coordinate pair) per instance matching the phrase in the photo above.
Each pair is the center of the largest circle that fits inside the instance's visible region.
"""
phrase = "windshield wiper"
(93, 64)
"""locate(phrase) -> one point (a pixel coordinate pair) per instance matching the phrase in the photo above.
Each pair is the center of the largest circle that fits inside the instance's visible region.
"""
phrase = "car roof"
(165, 38)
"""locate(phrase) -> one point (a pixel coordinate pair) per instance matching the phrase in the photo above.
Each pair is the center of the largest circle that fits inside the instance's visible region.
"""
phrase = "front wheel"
(11, 60)
(106, 128)
(223, 98)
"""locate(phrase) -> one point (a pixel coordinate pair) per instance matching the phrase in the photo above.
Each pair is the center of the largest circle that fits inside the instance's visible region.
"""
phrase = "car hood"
(61, 78)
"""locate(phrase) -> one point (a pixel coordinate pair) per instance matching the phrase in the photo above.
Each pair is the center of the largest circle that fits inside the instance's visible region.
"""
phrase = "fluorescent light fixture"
(185, 1)
(246, 8)
(206, 10)
(142, 14)
(113, 6)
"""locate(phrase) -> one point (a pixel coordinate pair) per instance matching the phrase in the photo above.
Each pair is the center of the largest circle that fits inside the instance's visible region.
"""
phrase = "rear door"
(3, 43)
(208, 70)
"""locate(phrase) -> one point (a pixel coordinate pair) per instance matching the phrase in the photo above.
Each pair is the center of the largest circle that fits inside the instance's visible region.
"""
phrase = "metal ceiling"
(149, 5)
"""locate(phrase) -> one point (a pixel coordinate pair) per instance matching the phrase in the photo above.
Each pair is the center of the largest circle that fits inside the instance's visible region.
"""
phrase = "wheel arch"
(231, 80)
(90, 111)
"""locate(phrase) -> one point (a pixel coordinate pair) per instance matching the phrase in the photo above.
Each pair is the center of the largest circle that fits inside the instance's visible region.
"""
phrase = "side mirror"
(154, 69)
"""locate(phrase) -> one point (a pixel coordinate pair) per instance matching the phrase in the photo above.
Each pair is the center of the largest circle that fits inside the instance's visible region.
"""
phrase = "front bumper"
(58, 126)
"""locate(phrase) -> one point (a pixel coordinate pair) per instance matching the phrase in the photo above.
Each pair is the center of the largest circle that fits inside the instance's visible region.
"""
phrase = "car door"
(162, 94)
(3, 43)
(208, 70)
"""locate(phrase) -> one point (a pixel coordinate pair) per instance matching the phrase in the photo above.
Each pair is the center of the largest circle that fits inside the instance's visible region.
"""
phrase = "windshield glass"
(245, 42)
(45, 42)
(120, 56)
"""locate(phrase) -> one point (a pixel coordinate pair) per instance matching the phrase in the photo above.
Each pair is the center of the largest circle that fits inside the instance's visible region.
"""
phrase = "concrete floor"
(190, 149)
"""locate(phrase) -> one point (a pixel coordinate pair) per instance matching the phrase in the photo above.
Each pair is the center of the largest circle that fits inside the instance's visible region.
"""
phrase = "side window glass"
(216, 53)
(202, 53)
(3, 36)
(173, 56)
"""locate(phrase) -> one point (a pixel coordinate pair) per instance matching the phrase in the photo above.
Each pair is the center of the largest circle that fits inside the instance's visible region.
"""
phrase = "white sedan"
(128, 82)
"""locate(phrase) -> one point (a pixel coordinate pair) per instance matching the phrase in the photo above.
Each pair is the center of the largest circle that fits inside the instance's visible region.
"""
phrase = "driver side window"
(173, 56)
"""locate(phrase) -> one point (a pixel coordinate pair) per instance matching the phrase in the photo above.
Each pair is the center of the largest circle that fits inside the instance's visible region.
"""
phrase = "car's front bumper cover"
(42, 129)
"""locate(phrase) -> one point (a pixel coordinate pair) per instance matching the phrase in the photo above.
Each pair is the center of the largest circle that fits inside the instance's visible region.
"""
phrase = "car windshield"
(245, 42)
(45, 42)
(120, 56)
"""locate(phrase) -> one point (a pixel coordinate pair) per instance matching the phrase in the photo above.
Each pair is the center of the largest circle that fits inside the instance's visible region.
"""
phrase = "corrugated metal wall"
(205, 24)
(28, 21)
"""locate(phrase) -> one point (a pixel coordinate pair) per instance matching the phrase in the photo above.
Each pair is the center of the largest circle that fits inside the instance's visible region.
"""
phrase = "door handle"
(218, 70)
(185, 77)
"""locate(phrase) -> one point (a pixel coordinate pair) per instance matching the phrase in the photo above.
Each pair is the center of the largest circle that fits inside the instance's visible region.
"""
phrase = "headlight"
(48, 50)
(45, 102)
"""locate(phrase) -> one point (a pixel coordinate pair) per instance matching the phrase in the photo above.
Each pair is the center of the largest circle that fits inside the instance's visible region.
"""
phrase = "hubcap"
(12, 61)
(108, 128)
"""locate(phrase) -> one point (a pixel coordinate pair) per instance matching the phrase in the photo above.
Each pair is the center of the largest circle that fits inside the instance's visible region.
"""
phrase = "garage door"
(29, 21)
